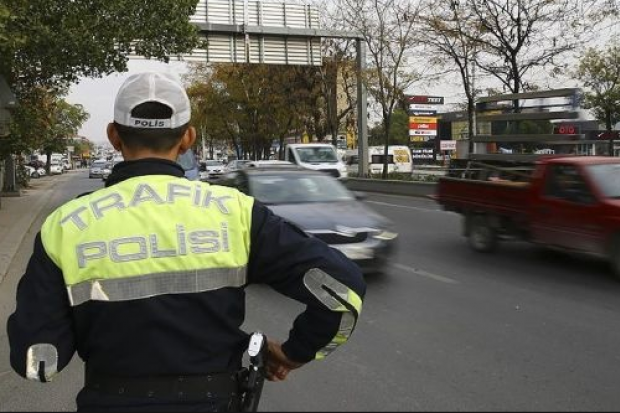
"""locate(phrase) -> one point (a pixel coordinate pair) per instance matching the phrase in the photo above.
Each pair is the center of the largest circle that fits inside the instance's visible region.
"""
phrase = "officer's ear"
(113, 137)
(188, 139)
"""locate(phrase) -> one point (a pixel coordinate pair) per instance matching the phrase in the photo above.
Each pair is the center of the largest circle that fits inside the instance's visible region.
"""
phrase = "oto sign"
(566, 129)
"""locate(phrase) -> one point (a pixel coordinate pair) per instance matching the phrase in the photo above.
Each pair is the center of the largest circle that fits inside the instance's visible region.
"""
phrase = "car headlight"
(385, 235)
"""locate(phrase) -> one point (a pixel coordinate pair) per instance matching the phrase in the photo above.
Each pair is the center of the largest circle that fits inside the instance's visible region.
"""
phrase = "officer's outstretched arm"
(40, 331)
(307, 270)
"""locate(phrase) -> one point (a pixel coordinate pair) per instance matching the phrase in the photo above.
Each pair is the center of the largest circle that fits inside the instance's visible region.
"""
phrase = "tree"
(250, 105)
(48, 44)
(518, 36)
(337, 86)
(388, 28)
(399, 130)
(599, 70)
(452, 34)
(54, 42)
(66, 120)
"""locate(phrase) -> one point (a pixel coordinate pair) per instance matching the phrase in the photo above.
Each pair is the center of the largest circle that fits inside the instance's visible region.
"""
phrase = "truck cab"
(317, 156)
(574, 204)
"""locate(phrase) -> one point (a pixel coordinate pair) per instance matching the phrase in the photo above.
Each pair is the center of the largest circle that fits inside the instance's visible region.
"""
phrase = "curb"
(17, 217)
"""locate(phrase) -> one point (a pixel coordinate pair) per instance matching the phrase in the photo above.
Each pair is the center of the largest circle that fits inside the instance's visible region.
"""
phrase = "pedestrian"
(145, 279)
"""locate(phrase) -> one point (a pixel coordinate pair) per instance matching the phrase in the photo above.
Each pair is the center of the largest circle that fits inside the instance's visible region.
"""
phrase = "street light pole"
(362, 110)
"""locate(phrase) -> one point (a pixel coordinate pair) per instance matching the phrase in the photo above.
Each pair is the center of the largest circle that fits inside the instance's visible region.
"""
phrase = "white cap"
(152, 87)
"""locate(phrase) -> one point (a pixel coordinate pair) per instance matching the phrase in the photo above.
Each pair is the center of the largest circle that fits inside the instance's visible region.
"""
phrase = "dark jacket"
(178, 334)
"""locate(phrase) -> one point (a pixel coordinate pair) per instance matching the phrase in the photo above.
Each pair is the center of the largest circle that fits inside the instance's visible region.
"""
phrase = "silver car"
(324, 208)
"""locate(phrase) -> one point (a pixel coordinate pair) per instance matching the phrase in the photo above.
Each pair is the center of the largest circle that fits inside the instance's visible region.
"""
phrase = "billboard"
(256, 31)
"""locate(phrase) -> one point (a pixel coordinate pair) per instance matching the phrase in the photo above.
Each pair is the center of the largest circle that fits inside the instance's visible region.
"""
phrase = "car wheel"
(35, 175)
(482, 236)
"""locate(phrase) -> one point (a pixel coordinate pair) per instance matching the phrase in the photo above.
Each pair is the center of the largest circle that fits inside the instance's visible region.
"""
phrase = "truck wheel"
(482, 236)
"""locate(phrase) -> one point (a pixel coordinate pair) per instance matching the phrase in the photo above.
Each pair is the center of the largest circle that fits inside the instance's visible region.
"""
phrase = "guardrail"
(407, 188)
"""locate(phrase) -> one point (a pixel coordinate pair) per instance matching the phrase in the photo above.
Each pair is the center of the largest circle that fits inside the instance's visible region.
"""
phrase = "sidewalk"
(17, 215)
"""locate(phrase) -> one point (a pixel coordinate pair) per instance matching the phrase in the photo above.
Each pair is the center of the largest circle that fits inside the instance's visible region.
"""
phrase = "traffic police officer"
(145, 278)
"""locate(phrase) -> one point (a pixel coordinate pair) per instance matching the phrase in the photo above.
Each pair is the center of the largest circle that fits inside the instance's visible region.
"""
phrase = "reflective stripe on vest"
(148, 236)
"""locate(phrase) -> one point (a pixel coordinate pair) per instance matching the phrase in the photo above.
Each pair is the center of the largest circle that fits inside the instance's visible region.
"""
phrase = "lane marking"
(426, 274)
(405, 206)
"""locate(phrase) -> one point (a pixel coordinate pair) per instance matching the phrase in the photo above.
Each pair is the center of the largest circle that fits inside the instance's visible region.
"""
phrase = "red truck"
(565, 202)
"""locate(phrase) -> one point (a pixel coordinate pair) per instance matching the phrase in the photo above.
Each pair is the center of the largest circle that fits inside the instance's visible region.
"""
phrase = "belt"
(218, 385)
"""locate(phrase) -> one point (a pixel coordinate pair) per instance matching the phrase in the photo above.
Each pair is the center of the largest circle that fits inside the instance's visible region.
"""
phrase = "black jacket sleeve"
(310, 271)
(42, 321)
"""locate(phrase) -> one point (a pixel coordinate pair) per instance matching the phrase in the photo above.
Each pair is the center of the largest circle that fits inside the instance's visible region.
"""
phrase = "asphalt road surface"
(443, 329)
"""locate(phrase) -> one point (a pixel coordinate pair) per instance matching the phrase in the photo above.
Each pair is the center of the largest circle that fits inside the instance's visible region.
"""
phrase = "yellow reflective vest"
(148, 236)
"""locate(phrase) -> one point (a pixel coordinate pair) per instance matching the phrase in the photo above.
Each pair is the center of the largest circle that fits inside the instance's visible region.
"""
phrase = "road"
(444, 329)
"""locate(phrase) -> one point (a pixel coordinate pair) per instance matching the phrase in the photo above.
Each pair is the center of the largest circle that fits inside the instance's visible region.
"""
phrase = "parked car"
(96, 168)
(66, 165)
(323, 207)
(211, 169)
(56, 168)
(33, 172)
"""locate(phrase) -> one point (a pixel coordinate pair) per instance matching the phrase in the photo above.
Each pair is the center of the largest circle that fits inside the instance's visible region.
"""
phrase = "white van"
(399, 159)
(316, 156)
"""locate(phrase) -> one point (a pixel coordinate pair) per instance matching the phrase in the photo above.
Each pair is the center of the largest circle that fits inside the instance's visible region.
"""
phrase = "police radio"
(254, 377)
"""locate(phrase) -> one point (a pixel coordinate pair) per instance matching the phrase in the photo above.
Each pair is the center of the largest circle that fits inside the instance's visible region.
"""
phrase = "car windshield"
(297, 188)
(321, 154)
(214, 163)
(99, 164)
(607, 178)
